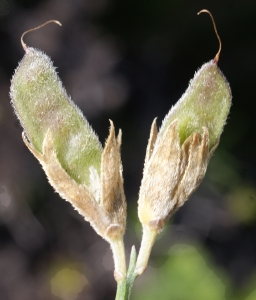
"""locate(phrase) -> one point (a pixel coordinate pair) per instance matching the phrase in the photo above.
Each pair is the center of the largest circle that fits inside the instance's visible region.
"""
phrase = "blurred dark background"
(130, 61)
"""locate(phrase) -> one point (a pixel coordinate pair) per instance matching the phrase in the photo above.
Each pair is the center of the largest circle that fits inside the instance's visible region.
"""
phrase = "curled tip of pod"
(217, 56)
(33, 29)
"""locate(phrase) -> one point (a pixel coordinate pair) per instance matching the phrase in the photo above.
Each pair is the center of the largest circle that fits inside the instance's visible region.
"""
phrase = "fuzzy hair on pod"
(59, 136)
(206, 103)
(177, 157)
(41, 102)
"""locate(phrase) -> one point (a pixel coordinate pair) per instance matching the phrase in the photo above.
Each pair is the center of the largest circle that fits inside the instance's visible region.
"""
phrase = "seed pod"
(177, 156)
(41, 102)
(59, 136)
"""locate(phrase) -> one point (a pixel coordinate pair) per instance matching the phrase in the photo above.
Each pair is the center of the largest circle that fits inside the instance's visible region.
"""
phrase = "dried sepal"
(151, 141)
(171, 175)
(107, 212)
(113, 198)
(107, 220)
(160, 176)
(77, 194)
(195, 157)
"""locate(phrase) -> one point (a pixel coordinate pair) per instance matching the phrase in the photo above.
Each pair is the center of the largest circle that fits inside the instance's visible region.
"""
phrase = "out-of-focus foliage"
(252, 296)
(67, 284)
(186, 275)
(189, 273)
(242, 203)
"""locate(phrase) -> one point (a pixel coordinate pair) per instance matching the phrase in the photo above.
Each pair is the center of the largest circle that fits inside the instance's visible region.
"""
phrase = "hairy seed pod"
(177, 157)
(205, 104)
(59, 136)
(41, 103)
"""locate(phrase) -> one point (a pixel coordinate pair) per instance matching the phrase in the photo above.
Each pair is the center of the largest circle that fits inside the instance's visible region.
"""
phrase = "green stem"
(124, 287)
(125, 283)
(131, 275)
(148, 240)
(121, 290)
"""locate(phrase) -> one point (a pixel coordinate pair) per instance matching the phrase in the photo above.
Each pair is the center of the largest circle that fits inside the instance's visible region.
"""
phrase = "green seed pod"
(177, 157)
(59, 136)
(205, 103)
(41, 103)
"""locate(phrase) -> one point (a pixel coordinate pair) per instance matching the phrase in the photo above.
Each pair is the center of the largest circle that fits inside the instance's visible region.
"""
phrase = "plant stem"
(124, 287)
(118, 250)
(131, 275)
(121, 292)
(148, 239)
(125, 281)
